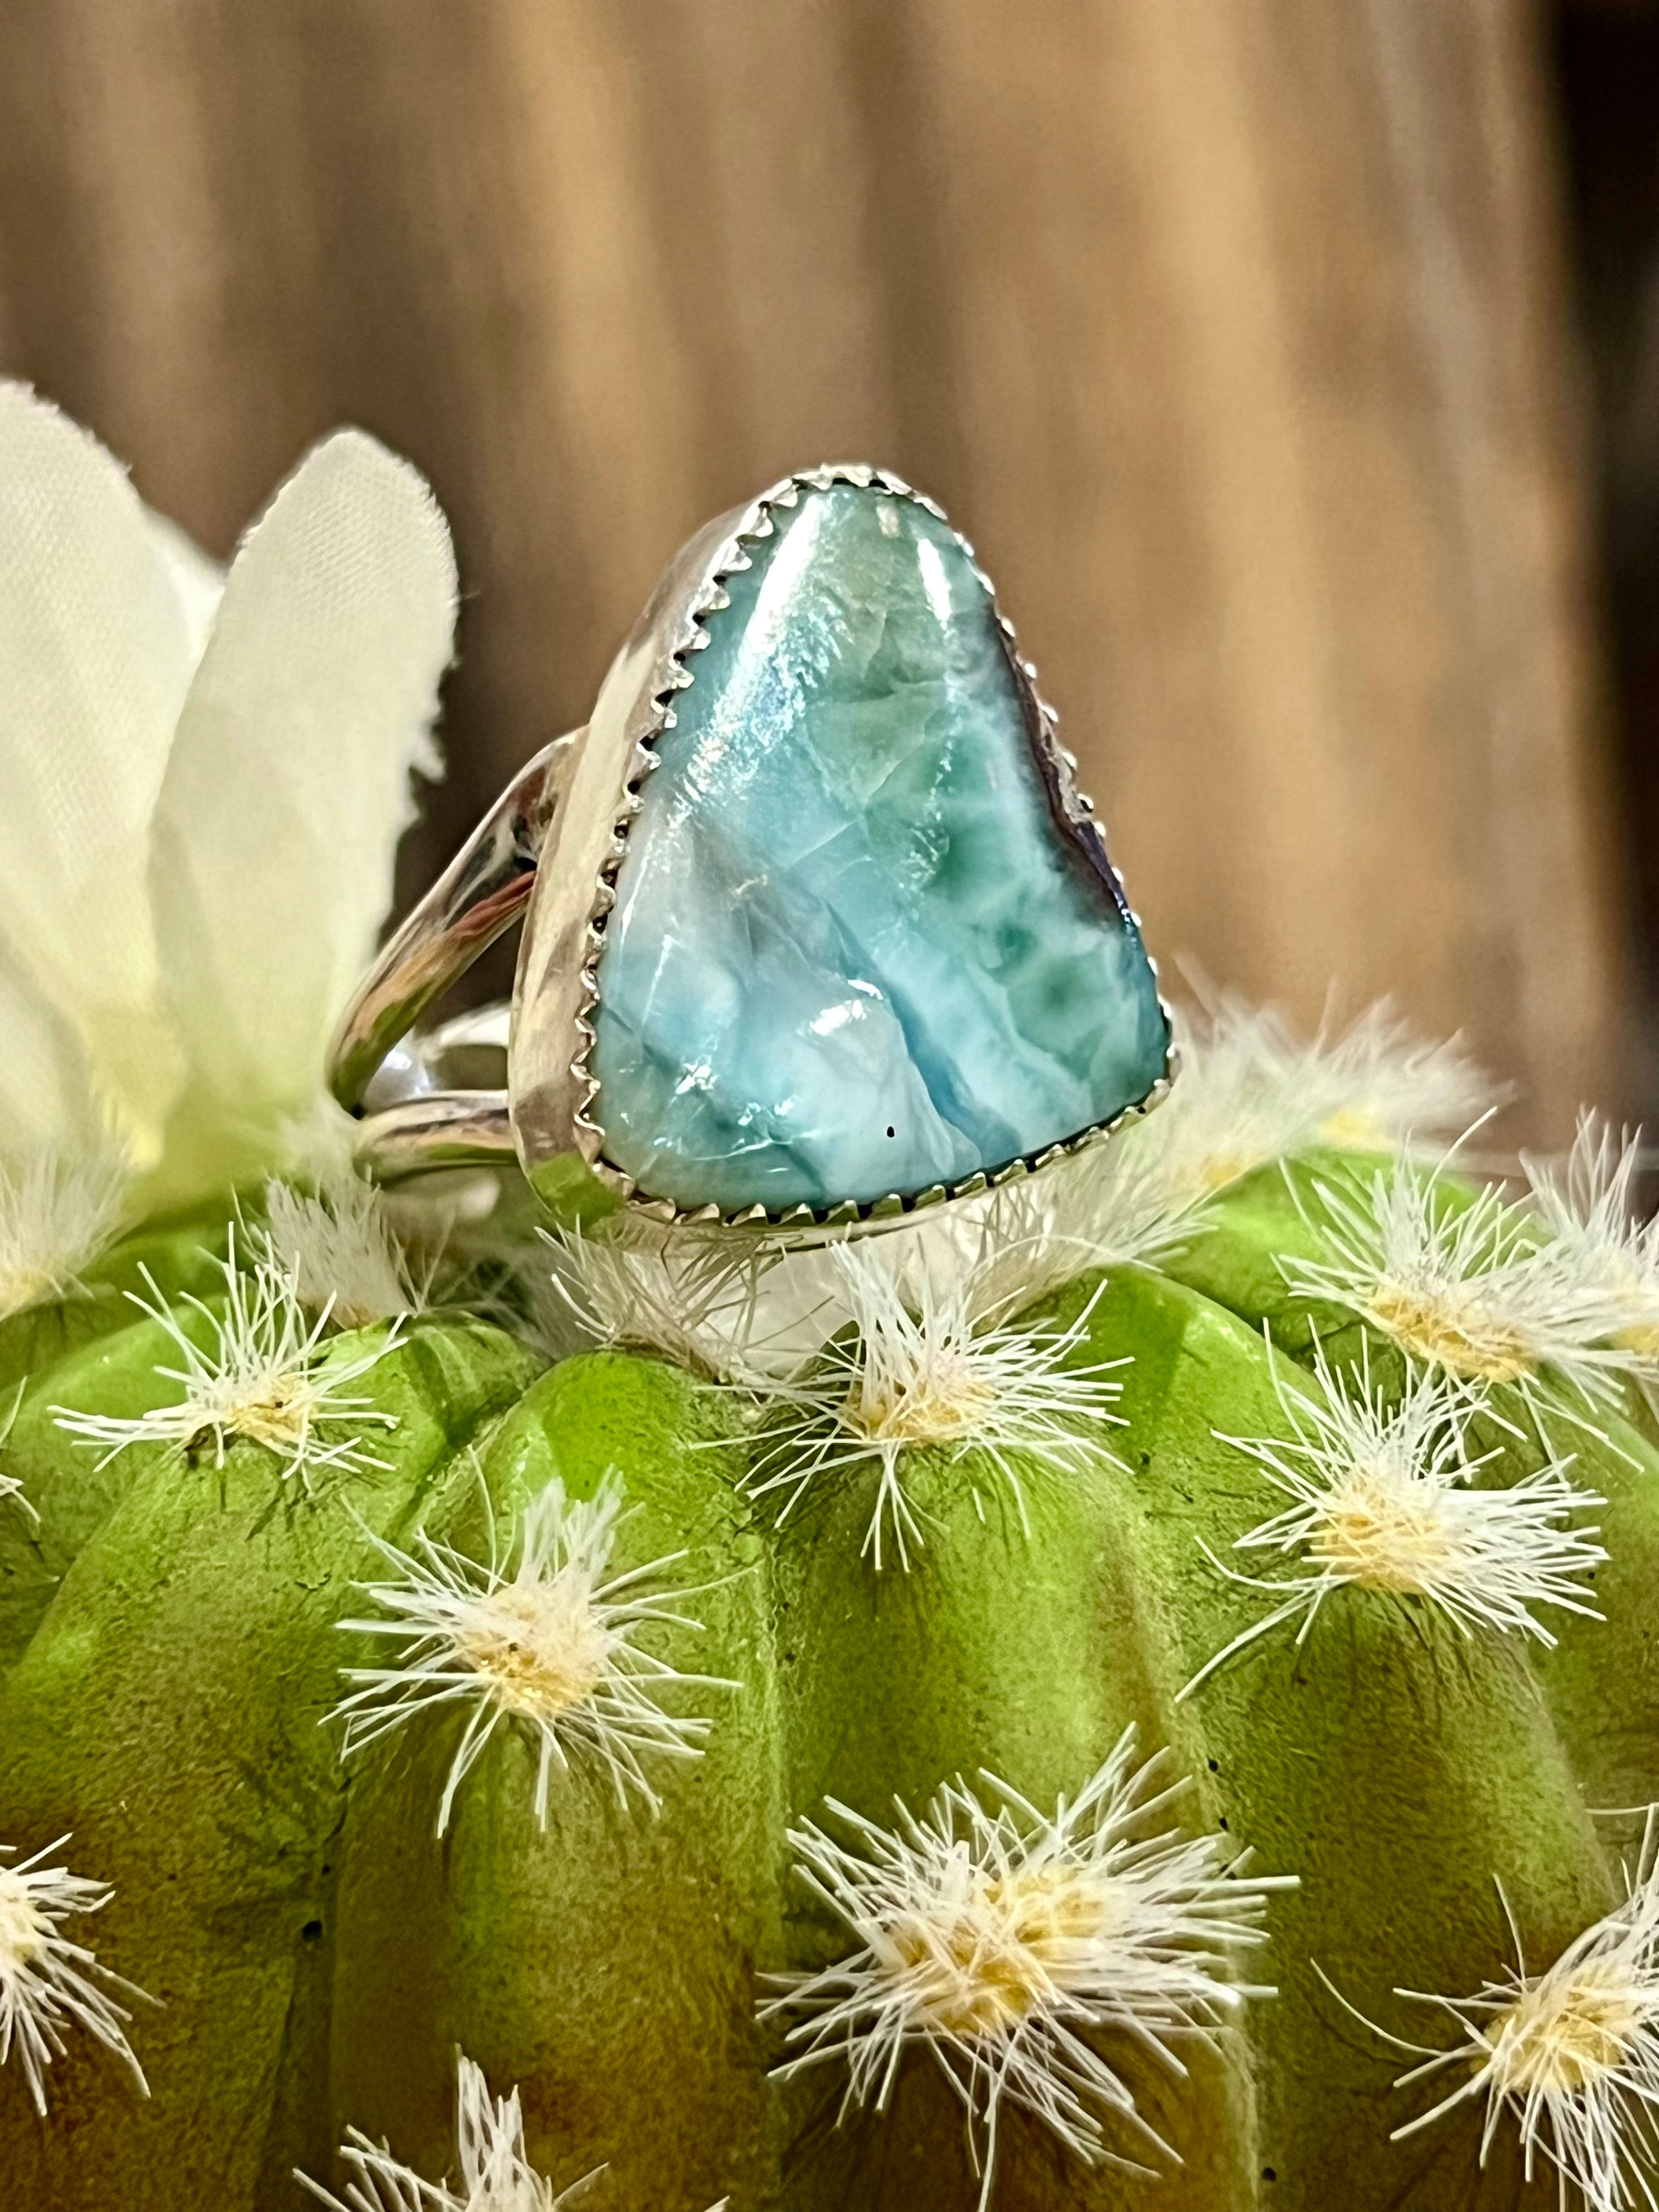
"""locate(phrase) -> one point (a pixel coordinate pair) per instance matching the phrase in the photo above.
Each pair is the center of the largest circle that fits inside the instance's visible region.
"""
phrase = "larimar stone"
(856, 948)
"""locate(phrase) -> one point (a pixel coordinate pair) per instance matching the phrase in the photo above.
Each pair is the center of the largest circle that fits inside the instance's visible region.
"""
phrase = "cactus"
(1260, 1634)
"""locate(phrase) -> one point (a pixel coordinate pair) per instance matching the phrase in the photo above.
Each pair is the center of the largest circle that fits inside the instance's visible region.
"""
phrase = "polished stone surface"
(851, 952)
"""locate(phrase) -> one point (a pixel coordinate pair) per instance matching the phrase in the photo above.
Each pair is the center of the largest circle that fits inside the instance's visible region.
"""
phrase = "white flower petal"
(197, 579)
(47, 1100)
(95, 657)
(289, 783)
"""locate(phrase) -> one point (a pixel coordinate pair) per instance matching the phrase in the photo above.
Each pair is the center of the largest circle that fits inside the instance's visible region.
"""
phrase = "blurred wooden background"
(1234, 332)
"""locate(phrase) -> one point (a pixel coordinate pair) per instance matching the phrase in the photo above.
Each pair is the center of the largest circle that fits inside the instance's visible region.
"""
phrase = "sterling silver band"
(409, 1123)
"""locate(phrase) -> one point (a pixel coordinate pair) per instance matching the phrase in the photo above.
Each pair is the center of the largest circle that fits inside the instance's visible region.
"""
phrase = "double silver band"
(411, 1123)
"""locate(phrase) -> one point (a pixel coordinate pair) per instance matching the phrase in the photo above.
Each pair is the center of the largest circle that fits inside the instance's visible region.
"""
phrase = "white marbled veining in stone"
(855, 950)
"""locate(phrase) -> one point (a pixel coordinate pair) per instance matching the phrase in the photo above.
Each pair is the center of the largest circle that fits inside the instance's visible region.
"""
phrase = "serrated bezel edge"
(709, 597)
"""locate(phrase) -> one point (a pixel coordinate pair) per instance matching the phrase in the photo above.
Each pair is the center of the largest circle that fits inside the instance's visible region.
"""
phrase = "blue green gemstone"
(856, 949)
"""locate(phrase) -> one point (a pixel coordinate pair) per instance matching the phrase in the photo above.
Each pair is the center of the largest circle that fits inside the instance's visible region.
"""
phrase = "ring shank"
(441, 1129)
(481, 894)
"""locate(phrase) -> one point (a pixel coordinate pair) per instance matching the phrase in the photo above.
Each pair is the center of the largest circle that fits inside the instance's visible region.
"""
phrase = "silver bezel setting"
(552, 1089)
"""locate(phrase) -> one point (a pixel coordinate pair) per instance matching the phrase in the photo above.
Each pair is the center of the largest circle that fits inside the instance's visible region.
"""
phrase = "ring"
(817, 927)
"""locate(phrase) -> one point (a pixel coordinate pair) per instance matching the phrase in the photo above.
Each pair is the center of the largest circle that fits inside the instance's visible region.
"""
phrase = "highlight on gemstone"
(857, 949)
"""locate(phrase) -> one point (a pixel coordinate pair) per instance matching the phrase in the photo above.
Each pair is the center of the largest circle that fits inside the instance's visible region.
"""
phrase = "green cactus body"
(172, 1655)
(1600, 1680)
(87, 1349)
(607, 1963)
(166, 1710)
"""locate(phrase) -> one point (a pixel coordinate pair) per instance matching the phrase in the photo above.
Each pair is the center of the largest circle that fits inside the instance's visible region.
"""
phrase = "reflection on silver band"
(413, 1118)
(482, 891)
(441, 1129)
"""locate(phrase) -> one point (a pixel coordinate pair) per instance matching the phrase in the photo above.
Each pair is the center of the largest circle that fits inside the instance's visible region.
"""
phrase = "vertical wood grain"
(1230, 329)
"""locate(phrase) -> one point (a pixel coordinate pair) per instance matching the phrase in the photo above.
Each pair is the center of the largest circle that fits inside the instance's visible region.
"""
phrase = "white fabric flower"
(203, 775)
